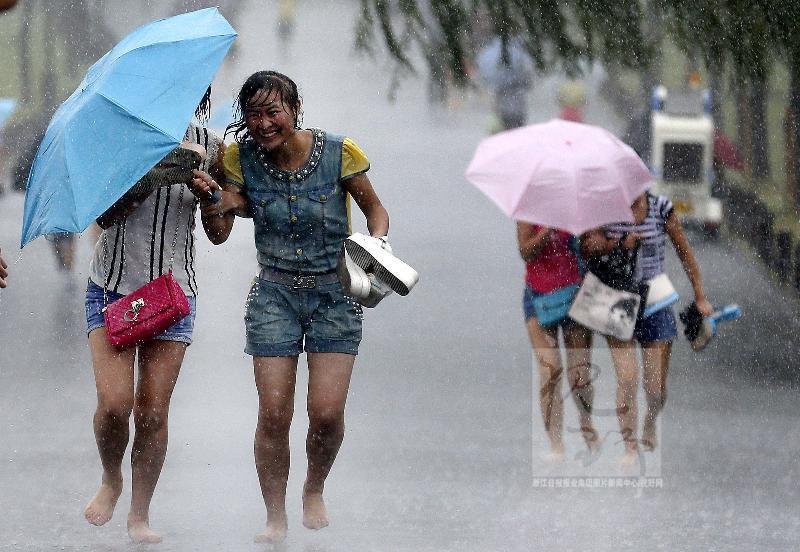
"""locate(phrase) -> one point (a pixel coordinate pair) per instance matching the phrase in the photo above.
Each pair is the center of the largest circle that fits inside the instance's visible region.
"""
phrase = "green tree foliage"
(554, 32)
(784, 24)
(736, 35)
(733, 33)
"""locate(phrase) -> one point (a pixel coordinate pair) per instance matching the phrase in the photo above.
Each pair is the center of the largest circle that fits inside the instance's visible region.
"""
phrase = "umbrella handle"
(215, 196)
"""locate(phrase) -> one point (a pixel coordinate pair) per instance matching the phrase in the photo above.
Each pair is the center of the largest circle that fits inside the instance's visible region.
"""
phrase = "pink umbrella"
(561, 174)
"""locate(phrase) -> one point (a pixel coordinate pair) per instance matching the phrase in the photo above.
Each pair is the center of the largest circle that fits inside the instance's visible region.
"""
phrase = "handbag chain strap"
(106, 269)
(177, 227)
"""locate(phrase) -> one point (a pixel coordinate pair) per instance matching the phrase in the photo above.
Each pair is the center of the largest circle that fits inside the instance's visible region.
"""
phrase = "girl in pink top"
(555, 264)
(551, 264)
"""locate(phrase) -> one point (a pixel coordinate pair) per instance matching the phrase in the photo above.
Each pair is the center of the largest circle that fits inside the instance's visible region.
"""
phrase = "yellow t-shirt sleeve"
(354, 161)
(233, 165)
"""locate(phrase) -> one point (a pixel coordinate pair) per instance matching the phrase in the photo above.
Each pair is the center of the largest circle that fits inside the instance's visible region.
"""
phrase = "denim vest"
(300, 217)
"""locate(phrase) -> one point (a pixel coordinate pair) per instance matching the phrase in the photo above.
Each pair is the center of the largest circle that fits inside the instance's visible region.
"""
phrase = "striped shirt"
(135, 251)
(652, 246)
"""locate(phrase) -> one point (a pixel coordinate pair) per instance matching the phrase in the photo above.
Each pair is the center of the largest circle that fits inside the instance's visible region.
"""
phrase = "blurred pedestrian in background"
(572, 100)
(551, 268)
(286, 24)
(508, 72)
(145, 234)
(35, 126)
(298, 183)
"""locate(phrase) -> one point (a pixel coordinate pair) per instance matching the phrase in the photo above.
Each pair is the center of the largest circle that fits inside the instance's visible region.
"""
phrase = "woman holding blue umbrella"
(145, 234)
(122, 127)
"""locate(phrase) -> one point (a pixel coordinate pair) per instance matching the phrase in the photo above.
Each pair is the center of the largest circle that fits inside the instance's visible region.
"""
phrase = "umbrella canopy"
(132, 108)
(7, 106)
(560, 174)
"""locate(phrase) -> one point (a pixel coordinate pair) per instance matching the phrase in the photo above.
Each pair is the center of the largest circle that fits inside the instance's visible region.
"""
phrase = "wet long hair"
(270, 81)
(203, 111)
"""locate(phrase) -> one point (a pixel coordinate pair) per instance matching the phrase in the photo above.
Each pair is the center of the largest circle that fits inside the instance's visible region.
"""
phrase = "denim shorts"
(281, 321)
(181, 331)
(659, 326)
(530, 312)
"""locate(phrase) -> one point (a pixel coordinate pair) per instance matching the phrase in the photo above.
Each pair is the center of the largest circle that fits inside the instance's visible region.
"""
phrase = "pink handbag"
(146, 312)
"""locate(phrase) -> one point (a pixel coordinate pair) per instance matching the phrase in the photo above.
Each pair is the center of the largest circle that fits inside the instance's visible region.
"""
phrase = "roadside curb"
(750, 223)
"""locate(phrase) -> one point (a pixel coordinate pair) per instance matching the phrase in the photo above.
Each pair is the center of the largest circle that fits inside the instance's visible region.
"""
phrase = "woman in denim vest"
(298, 183)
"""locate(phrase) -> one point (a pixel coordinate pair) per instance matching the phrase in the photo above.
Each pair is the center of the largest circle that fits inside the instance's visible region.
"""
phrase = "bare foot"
(649, 439)
(315, 516)
(139, 531)
(275, 533)
(101, 507)
(554, 457)
(630, 457)
(556, 454)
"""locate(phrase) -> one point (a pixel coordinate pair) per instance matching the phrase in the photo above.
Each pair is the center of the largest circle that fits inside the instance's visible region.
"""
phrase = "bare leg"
(623, 354)
(328, 383)
(656, 357)
(579, 342)
(275, 382)
(159, 365)
(113, 375)
(551, 403)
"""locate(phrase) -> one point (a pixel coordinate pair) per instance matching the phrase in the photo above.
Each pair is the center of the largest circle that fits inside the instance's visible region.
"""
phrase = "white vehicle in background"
(681, 155)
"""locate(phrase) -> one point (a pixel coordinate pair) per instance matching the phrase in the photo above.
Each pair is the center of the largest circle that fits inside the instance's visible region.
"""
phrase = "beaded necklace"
(303, 172)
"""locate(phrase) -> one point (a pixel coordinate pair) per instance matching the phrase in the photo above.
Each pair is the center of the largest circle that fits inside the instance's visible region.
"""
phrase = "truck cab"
(681, 155)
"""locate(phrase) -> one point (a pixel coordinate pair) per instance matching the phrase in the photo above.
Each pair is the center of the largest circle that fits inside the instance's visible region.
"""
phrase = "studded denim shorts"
(181, 331)
(283, 321)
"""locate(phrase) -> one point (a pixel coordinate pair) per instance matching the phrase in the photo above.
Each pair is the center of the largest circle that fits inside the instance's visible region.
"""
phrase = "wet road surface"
(444, 441)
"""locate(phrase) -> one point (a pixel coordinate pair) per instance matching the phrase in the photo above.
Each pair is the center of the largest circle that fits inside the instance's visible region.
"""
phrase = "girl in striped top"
(654, 221)
(145, 234)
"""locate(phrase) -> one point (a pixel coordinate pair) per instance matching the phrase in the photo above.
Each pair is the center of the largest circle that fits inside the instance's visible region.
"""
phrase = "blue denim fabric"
(181, 331)
(278, 318)
(660, 326)
(300, 218)
(300, 221)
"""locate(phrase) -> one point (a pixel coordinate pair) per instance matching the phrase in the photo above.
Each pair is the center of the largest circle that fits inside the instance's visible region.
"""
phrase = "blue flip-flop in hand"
(699, 329)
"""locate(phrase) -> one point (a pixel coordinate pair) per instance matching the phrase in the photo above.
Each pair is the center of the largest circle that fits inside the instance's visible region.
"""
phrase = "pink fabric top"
(569, 113)
(555, 266)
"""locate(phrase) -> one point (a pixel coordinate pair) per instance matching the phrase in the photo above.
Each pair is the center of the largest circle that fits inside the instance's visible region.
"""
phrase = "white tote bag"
(604, 309)
(660, 295)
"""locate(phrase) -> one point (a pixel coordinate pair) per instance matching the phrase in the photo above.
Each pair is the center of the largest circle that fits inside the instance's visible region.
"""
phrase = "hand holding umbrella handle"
(205, 187)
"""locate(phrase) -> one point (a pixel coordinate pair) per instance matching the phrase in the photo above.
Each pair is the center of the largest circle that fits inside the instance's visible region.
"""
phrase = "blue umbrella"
(132, 108)
(7, 107)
